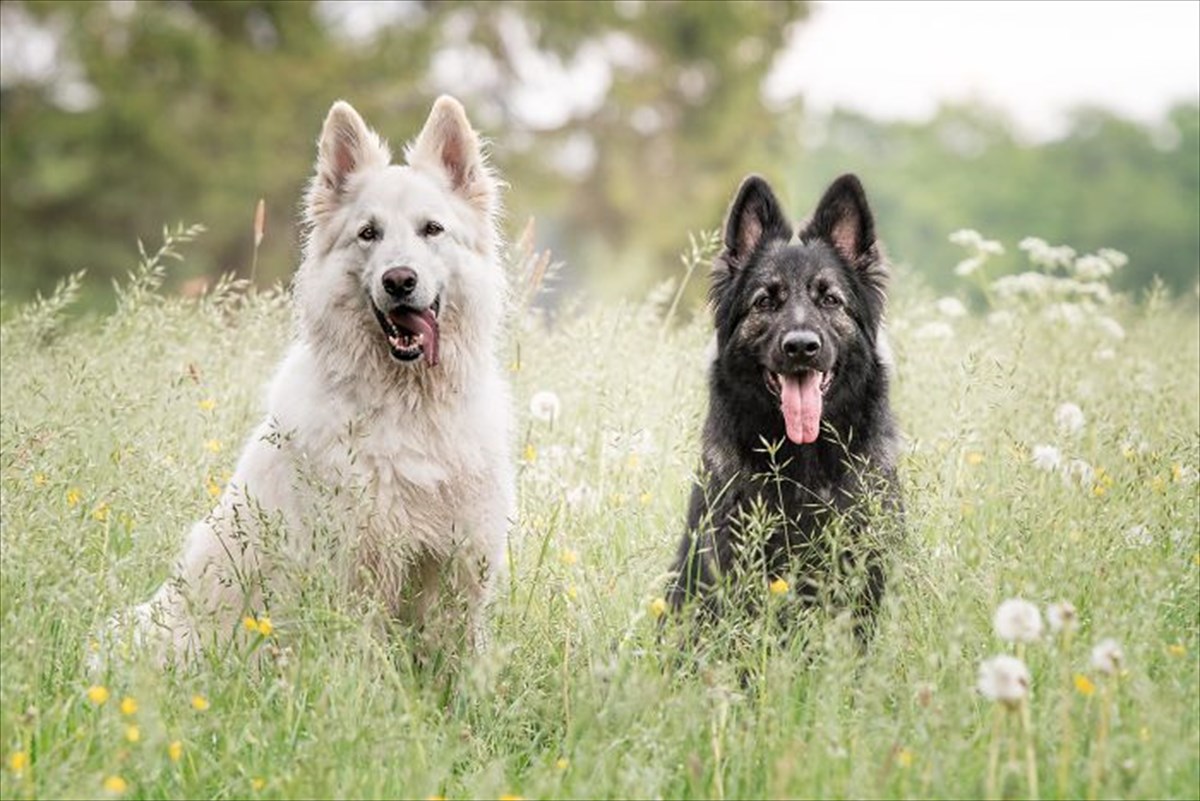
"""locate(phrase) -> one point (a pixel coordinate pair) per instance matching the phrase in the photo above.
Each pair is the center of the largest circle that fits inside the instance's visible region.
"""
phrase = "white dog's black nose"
(399, 282)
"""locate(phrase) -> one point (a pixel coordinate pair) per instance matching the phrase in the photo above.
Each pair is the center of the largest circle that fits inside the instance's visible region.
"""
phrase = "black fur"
(783, 308)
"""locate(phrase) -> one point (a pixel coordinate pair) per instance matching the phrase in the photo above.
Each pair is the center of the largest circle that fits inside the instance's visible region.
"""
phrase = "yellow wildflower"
(507, 797)
(39, 479)
(97, 694)
(439, 797)
(250, 623)
(18, 761)
(207, 405)
(658, 607)
(264, 626)
(257, 783)
(530, 454)
(973, 458)
(632, 461)
(645, 498)
(778, 587)
(1084, 685)
(572, 593)
(133, 734)
(568, 557)
(212, 445)
(1158, 484)
(128, 705)
(904, 758)
(214, 489)
(115, 784)
(1176, 649)
(1144, 734)
(100, 513)
(74, 496)
(1176, 473)
(562, 763)
(175, 750)
(617, 499)
(199, 703)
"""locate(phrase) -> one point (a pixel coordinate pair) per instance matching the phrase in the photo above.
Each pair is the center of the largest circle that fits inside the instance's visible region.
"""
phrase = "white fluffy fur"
(397, 476)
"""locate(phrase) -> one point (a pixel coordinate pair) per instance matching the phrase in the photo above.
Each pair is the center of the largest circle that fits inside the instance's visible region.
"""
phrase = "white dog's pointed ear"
(346, 146)
(449, 147)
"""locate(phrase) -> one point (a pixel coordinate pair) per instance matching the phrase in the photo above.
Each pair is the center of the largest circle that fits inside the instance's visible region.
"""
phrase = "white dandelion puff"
(1069, 418)
(545, 406)
(951, 307)
(1062, 617)
(1017, 620)
(1004, 679)
(1046, 457)
(1107, 657)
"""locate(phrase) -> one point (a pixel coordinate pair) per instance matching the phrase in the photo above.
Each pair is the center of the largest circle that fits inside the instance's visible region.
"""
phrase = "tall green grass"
(116, 432)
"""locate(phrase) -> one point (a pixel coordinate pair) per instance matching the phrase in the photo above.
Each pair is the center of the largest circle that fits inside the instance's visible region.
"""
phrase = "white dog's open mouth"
(411, 333)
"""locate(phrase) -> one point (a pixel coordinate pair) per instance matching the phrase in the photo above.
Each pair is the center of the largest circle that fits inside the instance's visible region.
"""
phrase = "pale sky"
(897, 60)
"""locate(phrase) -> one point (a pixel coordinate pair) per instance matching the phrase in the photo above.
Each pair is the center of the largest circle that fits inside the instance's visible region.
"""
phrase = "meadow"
(1051, 454)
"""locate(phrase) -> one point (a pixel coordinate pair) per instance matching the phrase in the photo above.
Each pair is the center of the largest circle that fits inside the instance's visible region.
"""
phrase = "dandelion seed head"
(1017, 620)
(1107, 657)
(1062, 617)
(1004, 679)
(545, 406)
(1046, 457)
(1069, 418)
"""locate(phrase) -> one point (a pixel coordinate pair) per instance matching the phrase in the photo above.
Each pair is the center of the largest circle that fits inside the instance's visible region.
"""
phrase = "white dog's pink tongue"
(800, 399)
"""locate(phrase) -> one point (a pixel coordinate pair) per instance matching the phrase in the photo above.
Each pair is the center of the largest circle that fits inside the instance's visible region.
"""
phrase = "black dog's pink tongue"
(800, 399)
(425, 324)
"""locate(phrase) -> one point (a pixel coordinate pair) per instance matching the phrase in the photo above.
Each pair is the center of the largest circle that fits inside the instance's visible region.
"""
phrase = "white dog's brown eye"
(432, 229)
(368, 233)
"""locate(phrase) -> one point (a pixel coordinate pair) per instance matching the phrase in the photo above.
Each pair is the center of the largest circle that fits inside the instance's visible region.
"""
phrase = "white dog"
(385, 455)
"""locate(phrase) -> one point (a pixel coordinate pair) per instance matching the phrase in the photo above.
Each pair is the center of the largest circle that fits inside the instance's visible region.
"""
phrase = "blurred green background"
(620, 127)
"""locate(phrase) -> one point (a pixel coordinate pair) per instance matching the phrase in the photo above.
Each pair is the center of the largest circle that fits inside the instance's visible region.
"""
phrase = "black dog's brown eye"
(831, 301)
(765, 302)
(368, 233)
(432, 229)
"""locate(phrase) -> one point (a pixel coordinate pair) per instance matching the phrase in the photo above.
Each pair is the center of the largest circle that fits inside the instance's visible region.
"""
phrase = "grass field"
(116, 432)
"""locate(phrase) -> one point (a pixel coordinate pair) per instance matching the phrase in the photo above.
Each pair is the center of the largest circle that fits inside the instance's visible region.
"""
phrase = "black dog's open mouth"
(801, 401)
(411, 333)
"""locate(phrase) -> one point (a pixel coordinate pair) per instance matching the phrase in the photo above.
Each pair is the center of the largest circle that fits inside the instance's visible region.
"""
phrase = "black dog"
(799, 447)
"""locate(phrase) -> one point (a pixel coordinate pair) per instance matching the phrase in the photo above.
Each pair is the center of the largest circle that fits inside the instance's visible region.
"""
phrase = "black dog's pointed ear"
(843, 219)
(754, 218)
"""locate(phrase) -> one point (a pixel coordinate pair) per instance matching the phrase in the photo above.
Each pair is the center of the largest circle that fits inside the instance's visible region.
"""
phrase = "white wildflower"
(1138, 537)
(934, 331)
(1004, 679)
(1070, 313)
(1018, 621)
(991, 247)
(1035, 285)
(968, 266)
(951, 307)
(1092, 268)
(580, 495)
(1046, 457)
(1062, 617)
(1107, 657)
(1111, 327)
(1069, 418)
(967, 238)
(1045, 255)
(545, 406)
(1114, 257)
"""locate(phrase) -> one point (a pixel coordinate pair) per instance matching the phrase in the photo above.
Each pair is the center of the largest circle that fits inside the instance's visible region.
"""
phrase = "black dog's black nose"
(399, 282)
(797, 344)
